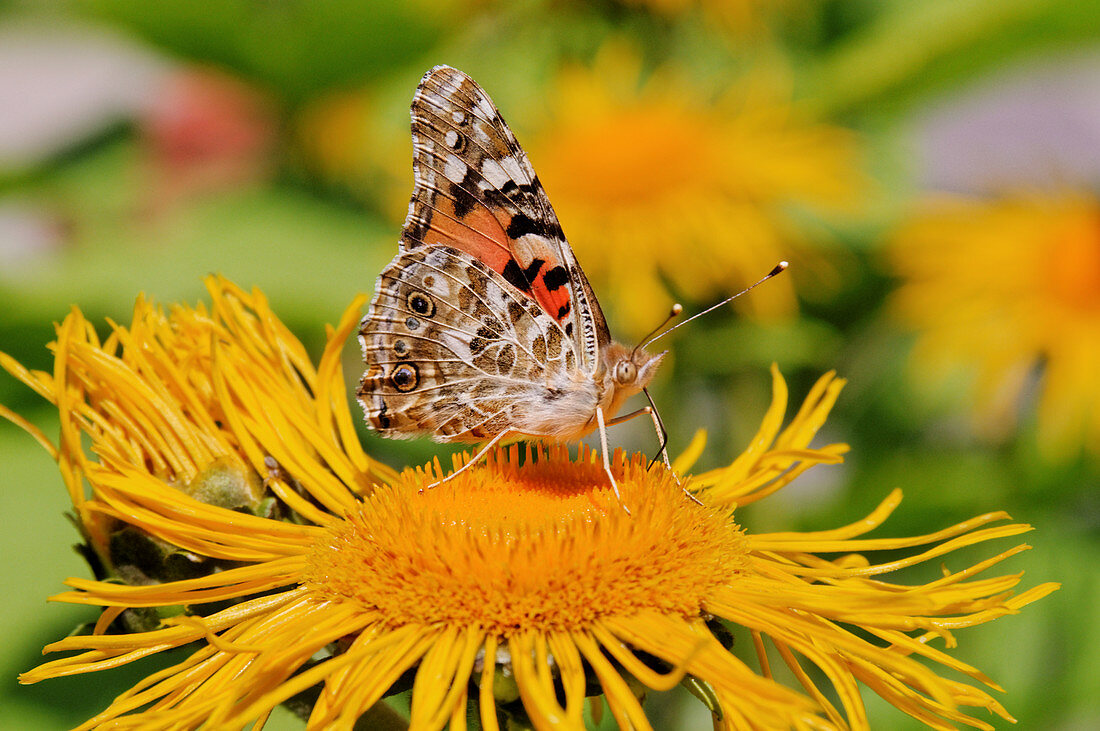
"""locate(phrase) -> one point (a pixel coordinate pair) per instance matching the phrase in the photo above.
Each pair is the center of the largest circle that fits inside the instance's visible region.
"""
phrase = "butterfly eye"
(625, 372)
(405, 378)
(421, 304)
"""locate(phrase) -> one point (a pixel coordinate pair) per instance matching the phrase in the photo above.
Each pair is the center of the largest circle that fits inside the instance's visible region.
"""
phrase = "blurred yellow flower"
(521, 587)
(334, 133)
(652, 180)
(1003, 290)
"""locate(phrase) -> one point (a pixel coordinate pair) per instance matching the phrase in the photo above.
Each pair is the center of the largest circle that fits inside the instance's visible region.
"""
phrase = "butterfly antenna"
(780, 267)
(672, 315)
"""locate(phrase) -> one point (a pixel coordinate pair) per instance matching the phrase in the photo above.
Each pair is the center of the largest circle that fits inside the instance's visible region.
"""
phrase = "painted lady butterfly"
(484, 326)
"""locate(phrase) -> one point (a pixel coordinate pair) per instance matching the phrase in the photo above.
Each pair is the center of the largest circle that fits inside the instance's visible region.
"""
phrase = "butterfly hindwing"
(453, 350)
(475, 191)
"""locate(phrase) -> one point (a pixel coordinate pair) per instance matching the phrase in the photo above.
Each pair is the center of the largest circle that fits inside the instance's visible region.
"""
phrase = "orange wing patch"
(480, 234)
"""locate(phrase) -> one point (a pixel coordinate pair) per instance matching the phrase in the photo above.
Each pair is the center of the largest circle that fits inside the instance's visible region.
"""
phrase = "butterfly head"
(627, 372)
(635, 369)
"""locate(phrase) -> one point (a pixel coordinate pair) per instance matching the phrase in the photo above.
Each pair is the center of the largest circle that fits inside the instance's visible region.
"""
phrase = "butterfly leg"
(656, 425)
(662, 436)
(662, 433)
(471, 462)
(606, 459)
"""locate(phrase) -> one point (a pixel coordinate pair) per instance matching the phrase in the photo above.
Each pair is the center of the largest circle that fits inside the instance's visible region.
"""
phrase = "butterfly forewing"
(475, 190)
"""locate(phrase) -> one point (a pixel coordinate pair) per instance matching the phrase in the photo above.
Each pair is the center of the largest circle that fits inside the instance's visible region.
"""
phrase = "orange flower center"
(1074, 263)
(634, 158)
(542, 546)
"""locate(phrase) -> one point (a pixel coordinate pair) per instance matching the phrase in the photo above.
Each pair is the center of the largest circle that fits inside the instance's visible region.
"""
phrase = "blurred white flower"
(1035, 125)
(60, 84)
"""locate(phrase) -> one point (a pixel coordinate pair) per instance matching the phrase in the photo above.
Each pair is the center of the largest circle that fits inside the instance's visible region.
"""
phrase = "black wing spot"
(412, 323)
(555, 278)
(562, 312)
(522, 224)
(405, 377)
(516, 277)
(421, 303)
(532, 269)
(481, 339)
(569, 329)
(464, 200)
(521, 278)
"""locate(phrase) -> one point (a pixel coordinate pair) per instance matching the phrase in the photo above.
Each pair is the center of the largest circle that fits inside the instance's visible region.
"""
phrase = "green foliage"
(296, 48)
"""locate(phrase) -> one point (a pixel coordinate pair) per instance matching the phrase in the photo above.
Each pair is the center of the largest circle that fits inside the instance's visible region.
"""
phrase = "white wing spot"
(514, 170)
(458, 116)
(494, 173)
(433, 98)
(454, 170)
(486, 108)
(451, 139)
(450, 84)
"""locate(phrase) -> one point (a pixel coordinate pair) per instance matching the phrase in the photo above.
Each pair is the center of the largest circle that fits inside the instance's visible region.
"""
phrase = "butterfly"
(484, 326)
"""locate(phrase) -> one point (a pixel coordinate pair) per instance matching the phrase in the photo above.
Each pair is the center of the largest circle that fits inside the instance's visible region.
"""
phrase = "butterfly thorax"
(567, 414)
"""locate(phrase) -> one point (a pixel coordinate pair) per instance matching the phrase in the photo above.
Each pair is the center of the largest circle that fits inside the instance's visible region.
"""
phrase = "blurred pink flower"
(207, 131)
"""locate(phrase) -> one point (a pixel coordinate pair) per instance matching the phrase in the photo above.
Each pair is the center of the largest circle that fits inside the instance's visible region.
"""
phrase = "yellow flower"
(521, 587)
(652, 180)
(1001, 290)
(334, 132)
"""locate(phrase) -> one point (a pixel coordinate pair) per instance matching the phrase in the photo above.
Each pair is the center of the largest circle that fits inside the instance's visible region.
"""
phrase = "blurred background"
(930, 169)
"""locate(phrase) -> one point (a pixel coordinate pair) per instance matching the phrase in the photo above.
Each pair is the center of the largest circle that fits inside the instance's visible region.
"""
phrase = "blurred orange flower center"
(632, 158)
(540, 546)
(1074, 263)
